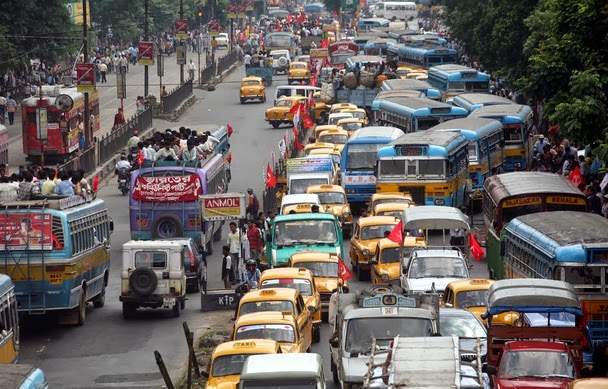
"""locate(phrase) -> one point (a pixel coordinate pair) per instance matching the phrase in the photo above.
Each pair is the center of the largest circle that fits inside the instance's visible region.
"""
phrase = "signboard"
(145, 53)
(225, 206)
(565, 200)
(22, 231)
(181, 28)
(347, 4)
(219, 300)
(388, 300)
(308, 165)
(358, 180)
(522, 201)
(42, 129)
(248, 5)
(241, 10)
(121, 84)
(168, 189)
(76, 12)
(231, 9)
(180, 51)
(318, 53)
(85, 77)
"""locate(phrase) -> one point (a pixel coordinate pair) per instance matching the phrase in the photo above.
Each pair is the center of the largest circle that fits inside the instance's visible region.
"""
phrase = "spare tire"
(167, 226)
(143, 281)
(381, 288)
(282, 62)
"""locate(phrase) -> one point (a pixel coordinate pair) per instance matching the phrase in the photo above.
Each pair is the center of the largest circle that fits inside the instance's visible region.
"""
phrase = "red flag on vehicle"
(271, 180)
(140, 158)
(295, 132)
(297, 145)
(229, 127)
(396, 234)
(343, 272)
(475, 248)
(308, 122)
(324, 43)
(289, 18)
(96, 183)
(229, 158)
(576, 177)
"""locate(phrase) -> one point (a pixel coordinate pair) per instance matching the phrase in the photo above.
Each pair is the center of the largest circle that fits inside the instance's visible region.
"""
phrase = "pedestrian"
(254, 236)
(234, 242)
(11, 106)
(253, 205)
(119, 119)
(133, 141)
(213, 45)
(191, 69)
(226, 266)
(3, 103)
(594, 201)
(103, 70)
(140, 104)
(247, 60)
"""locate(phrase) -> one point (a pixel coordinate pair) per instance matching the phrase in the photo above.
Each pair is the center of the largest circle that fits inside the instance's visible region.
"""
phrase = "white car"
(432, 269)
(222, 39)
(280, 61)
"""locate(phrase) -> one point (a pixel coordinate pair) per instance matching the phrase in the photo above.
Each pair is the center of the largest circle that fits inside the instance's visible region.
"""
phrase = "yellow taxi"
(320, 129)
(281, 112)
(472, 295)
(320, 111)
(302, 280)
(589, 383)
(333, 200)
(391, 209)
(339, 107)
(389, 197)
(227, 360)
(403, 71)
(281, 327)
(298, 71)
(297, 208)
(350, 124)
(367, 233)
(337, 137)
(318, 145)
(276, 300)
(252, 88)
(324, 266)
(358, 113)
(386, 265)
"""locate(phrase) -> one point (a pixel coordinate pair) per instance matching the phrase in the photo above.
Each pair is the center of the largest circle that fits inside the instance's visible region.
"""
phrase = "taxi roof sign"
(479, 281)
(326, 186)
(244, 345)
(388, 299)
(268, 292)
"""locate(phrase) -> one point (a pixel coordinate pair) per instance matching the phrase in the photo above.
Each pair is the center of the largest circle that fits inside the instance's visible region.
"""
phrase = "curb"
(219, 78)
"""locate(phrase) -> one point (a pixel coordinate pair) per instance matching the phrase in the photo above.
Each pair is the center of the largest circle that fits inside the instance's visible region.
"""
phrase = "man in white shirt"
(234, 242)
(247, 60)
(226, 267)
(133, 141)
(191, 69)
(166, 152)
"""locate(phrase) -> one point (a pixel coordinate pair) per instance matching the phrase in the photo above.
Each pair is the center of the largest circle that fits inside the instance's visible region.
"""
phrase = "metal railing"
(116, 140)
(207, 74)
(176, 97)
(226, 61)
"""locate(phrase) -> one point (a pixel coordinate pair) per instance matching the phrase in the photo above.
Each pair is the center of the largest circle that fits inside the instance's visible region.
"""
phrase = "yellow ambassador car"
(298, 71)
(389, 197)
(339, 107)
(281, 327)
(350, 124)
(319, 129)
(318, 145)
(281, 112)
(227, 360)
(391, 209)
(302, 280)
(386, 265)
(366, 235)
(358, 113)
(337, 137)
(252, 88)
(324, 266)
(333, 200)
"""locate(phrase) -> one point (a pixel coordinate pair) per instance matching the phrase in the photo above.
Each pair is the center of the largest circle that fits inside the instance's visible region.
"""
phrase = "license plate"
(168, 302)
(386, 311)
(122, 181)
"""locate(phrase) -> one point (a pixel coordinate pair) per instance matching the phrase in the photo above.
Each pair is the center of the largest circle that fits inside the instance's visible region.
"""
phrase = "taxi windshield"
(266, 306)
(396, 213)
(228, 365)
(358, 115)
(424, 267)
(393, 200)
(251, 82)
(339, 139)
(281, 333)
(298, 66)
(360, 332)
(375, 232)
(463, 327)
(300, 284)
(391, 255)
(320, 269)
(351, 126)
(331, 197)
(283, 103)
(312, 232)
(472, 298)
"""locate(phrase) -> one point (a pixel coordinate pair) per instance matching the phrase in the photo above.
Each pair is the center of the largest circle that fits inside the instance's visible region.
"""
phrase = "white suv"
(222, 39)
(280, 61)
(430, 270)
(153, 275)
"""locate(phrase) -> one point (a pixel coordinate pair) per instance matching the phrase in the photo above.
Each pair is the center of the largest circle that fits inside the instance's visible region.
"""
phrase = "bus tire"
(167, 226)
(143, 281)
(100, 300)
(82, 306)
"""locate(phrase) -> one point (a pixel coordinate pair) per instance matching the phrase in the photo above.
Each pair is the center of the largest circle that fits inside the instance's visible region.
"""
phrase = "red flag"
(279, 28)
(308, 122)
(475, 248)
(301, 18)
(295, 132)
(289, 18)
(140, 158)
(298, 146)
(576, 177)
(229, 127)
(396, 234)
(343, 272)
(229, 158)
(295, 109)
(324, 43)
(271, 180)
(96, 183)
(56, 174)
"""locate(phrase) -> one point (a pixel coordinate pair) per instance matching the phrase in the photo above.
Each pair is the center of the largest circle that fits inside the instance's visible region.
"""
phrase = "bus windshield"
(289, 233)
(361, 156)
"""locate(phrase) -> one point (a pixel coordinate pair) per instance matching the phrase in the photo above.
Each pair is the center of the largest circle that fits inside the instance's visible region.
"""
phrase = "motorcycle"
(124, 177)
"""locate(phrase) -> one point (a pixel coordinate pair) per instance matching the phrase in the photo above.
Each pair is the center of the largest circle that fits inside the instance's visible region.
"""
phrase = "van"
(294, 90)
(298, 370)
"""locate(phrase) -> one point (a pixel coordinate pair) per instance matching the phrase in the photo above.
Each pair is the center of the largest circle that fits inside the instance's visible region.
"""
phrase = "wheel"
(275, 124)
(316, 335)
(82, 307)
(264, 99)
(100, 300)
(242, 100)
(167, 226)
(177, 309)
(143, 281)
(183, 304)
(128, 310)
(334, 373)
(124, 191)
(361, 274)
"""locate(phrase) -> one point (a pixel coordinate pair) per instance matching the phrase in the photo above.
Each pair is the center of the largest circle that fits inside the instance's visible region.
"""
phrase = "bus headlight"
(439, 201)
(384, 277)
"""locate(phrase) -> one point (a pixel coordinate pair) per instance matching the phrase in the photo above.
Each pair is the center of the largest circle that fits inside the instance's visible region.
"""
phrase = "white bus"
(396, 10)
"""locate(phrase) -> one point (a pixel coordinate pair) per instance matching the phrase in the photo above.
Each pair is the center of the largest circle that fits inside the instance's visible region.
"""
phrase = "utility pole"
(85, 42)
(145, 39)
(181, 42)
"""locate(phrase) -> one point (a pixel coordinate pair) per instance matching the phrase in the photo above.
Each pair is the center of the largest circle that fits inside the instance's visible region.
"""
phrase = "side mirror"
(448, 305)
(334, 343)
(489, 370)
(374, 261)
(311, 309)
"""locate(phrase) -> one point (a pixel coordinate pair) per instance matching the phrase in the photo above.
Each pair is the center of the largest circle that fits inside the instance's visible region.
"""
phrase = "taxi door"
(304, 323)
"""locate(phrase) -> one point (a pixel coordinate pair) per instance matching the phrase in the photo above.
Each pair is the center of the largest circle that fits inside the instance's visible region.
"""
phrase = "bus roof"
(365, 59)
(453, 69)
(384, 94)
(501, 186)
(438, 138)
(582, 228)
(434, 217)
(421, 102)
(50, 202)
(483, 98)
(492, 111)
(6, 284)
(470, 126)
(376, 132)
(18, 376)
(400, 83)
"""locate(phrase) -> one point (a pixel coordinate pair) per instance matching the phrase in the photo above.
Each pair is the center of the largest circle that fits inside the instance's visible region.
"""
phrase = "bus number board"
(410, 151)
(565, 200)
(522, 201)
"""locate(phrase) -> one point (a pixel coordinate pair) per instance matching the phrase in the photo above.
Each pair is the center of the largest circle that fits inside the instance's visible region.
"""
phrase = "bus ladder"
(18, 275)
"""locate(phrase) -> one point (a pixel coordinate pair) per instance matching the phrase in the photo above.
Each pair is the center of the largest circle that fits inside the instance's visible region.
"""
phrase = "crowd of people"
(34, 181)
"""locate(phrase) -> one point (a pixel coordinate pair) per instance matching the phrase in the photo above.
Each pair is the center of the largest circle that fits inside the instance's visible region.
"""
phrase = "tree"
(332, 5)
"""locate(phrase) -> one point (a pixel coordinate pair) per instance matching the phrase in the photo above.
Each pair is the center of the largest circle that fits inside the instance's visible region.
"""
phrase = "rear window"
(151, 259)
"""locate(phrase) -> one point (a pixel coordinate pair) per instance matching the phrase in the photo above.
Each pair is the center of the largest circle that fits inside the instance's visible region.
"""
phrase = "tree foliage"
(332, 5)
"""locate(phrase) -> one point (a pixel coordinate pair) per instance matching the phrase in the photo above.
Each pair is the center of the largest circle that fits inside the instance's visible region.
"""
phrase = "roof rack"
(50, 202)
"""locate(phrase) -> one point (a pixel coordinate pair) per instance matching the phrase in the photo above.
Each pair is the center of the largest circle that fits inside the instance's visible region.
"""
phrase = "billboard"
(145, 53)
(225, 206)
(85, 77)
(168, 189)
(23, 231)
(76, 12)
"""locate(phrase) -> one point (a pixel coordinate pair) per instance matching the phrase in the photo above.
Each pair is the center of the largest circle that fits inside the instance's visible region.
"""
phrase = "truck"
(306, 42)
(540, 356)
(264, 72)
(370, 320)
(426, 362)
(306, 171)
(362, 98)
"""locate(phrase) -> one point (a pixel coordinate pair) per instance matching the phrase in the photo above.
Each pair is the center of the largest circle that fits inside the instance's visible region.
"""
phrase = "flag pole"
(401, 245)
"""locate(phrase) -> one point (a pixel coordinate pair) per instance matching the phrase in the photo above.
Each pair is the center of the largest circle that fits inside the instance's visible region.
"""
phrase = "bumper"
(154, 301)
(347, 226)
(192, 280)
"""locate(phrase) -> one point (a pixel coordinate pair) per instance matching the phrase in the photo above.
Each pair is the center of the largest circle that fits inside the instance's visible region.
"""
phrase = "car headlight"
(365, 253)
(384, 277)
(346, 215)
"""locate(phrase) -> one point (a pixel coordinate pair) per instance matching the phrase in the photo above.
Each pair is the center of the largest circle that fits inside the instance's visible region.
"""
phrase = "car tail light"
(192, 260)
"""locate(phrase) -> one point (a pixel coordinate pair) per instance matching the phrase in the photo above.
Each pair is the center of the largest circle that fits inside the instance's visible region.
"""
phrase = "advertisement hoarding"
(167, 189)
(225, 206)
(26, 231)
(145, 53)
(85, 77)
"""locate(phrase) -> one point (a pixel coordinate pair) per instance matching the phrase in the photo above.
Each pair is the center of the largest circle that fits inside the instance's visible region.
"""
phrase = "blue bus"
(473, 101)
(9, 322)
(414, 39)
(377, 46)
(164, 200)
(414, 85)
(382, 95)
(568, 246)
(412, 114)
(315, 9)
(421, 57)
(22, 377)
(368, 24)
(486, 153)
(454, 79)
(56, 251)
(359, 159)
(430, 165)
(517, 126)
